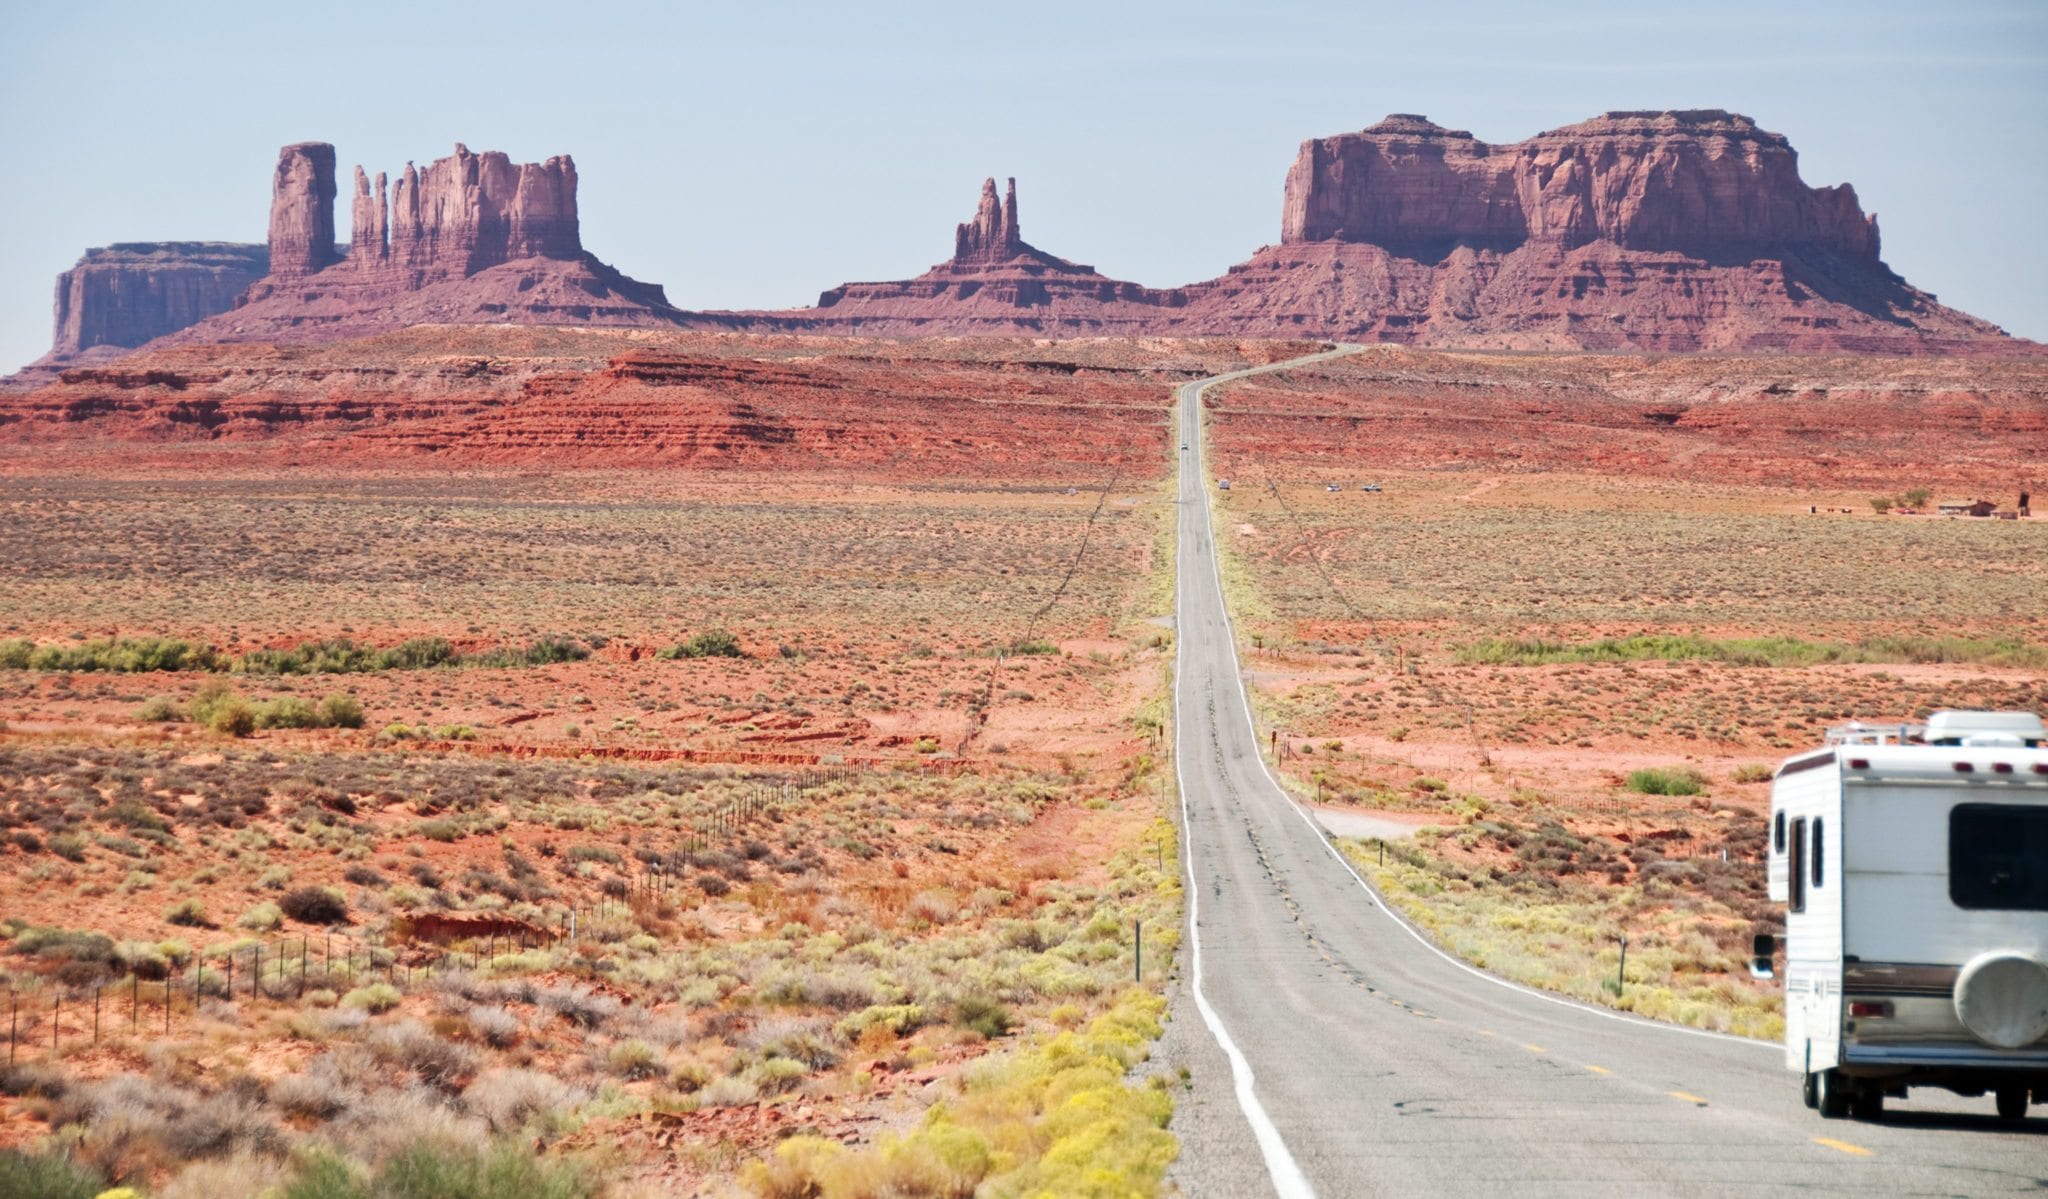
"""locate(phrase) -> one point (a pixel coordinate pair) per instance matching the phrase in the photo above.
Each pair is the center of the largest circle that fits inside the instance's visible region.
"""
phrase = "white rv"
(1913, 865)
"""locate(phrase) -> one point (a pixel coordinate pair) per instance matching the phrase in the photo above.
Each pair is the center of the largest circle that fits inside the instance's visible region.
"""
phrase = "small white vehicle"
(1913, 863)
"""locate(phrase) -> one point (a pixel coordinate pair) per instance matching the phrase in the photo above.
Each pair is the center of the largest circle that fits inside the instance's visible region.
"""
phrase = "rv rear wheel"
(1831, 1094)
(1809, 1090)
(2012, 1103)
(1868, 1104)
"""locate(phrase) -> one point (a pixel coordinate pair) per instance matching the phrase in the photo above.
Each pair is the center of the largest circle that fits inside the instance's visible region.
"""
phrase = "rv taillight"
(2001, 768)
(1859, 763)
(1964, 768)
(2041, 768)
(1865, 1009)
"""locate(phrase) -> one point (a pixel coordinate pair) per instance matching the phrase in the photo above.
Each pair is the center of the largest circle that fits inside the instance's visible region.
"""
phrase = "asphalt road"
(1357, 1060)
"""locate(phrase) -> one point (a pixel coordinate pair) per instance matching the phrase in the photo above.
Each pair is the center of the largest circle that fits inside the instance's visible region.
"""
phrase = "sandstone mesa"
(1677, 231)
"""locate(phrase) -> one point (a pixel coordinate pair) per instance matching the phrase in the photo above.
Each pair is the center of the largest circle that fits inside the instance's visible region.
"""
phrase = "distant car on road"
(1183, 445)
(1223, 484)
(1369, 487)
(1332, 487)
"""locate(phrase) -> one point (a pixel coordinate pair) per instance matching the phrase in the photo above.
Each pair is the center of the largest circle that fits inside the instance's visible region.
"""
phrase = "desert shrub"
(580, 1006)
(319, 1091)
(69, 846)
(711, 643)
(545, 651)
(419, 654)
(159, 710)
(364, 876)
(494, 1026)
(232, 716)
(341, 711)
(45, 1176)
(1035, 647)
(188, 913)
(633, 1059)
(1753, 772)
(713, 885)
(509, 1099)
(134, 814)
(242, 1173)
(731, 1091)
(595, 853)
(1881, 504)
(1083, 1130)
(933, 907)
(408, 1045)
(287, 712)
(26, 842)
(1667, 780)
(898, 1018)
(63, 944)
(219, 1124)
(507, 1172)
(984, 1016)
(119, 655)
(374, 998)
(314, 905)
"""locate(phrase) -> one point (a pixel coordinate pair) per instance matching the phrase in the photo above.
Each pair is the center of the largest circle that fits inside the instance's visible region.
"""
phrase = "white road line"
(1230, 624)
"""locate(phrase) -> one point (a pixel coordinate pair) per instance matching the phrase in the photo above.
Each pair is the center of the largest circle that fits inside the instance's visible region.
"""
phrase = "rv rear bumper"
(1958, 1056)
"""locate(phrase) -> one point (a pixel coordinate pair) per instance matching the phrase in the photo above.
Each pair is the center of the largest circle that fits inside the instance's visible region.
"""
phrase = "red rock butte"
(996, 282)
(469, 239)
(1665, 231)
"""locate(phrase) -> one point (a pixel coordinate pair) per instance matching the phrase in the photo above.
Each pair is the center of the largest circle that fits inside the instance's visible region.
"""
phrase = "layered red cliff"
(130, 292)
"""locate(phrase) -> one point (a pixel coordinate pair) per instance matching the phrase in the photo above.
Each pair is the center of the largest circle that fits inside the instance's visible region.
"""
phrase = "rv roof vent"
(1985, 728)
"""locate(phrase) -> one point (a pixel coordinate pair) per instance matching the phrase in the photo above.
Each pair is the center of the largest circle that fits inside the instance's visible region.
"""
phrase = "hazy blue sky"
(750, 155)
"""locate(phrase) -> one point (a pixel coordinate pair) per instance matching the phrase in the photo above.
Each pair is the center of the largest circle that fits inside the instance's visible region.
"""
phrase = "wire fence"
(46, 1014)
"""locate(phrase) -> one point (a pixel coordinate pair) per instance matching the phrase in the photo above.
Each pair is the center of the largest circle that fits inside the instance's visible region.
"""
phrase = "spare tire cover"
(2002, 998)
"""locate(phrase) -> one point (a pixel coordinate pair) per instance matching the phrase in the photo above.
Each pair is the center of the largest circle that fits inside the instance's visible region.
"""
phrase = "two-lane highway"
(1365, 1062)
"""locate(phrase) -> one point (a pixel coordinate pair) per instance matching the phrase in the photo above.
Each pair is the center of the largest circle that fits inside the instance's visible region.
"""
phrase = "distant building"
(1967, 507)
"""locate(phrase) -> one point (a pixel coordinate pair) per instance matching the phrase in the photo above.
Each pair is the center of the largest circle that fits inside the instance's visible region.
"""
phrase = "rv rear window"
(1998, 857)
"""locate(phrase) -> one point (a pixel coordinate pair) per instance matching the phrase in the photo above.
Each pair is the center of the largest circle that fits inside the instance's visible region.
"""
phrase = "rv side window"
(1778, 833)
(1819, 849)
(1797, 874)
(1998, 857)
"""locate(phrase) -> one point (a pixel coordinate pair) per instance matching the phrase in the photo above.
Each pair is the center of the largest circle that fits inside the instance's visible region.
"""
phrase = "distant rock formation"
(1668, 231)
(991, 237)
(302, 211)
(996, 282)
(472, 238)
(130, 292)
(465, 214)
(1704, 182)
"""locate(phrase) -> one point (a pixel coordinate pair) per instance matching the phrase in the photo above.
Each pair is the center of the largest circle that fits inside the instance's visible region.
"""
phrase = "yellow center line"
(1844, 1146)
(1535, 1049)
(1688, 1098)
(1599, 1069)
(1485, 1032)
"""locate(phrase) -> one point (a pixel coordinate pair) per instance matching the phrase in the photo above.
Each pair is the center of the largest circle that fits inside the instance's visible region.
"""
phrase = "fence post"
(134, 1002)
(97, 988)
